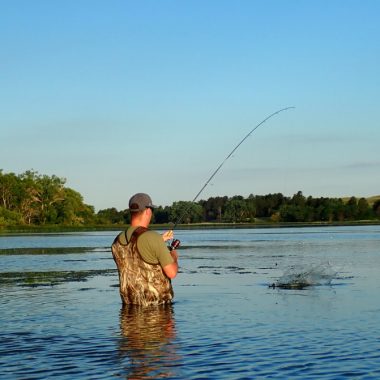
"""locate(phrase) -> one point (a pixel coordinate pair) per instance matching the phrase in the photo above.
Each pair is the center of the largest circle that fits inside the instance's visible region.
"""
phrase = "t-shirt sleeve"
(156, 250)
(164, 257)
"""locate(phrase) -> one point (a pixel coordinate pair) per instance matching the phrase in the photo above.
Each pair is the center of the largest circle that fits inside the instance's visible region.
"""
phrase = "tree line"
(34, 199)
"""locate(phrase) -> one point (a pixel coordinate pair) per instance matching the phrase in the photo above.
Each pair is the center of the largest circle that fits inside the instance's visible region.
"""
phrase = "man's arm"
(171, 270)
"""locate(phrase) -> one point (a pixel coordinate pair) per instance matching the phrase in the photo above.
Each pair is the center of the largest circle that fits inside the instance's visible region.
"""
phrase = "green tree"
(376, 208)
(351, 209)
(110, 216)
(73, 211)
(214, 208)
(28, 206)
(236, 210)
(260, 206)
(292, 213)
(298, 199)
(186, 212)
(9, 218)
(338, 209)
(32, 198)
(296, 209)
(161, 215)
(9, 191)
(267, 205)
(364, 210)
(46, 193)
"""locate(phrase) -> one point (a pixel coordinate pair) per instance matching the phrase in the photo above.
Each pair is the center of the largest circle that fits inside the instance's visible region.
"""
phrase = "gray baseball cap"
(140, 202)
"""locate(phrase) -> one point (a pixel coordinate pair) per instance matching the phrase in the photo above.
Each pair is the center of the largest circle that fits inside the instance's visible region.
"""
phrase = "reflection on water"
(147, 340)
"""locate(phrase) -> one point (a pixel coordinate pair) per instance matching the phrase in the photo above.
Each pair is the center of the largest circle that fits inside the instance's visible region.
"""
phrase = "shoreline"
(167, 226)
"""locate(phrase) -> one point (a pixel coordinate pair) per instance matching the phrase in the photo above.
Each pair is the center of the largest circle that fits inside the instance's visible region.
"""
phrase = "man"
(144, 262)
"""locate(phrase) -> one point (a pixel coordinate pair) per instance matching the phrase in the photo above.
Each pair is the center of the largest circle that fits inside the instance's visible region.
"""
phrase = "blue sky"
(120, 97)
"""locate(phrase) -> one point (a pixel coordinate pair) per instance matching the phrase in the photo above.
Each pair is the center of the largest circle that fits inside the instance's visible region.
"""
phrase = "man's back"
(141, 282)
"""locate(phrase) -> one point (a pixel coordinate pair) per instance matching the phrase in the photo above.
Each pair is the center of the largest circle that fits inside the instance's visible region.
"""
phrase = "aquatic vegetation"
(48, 250)
(51, 278)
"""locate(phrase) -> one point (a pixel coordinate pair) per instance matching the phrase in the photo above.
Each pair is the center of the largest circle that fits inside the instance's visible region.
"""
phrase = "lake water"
(226, 322)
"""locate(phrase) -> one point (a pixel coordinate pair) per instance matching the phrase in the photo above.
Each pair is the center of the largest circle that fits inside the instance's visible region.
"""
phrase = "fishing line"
(224, 161)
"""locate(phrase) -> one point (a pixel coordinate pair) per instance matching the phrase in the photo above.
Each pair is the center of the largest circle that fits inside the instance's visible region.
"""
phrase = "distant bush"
(9, 218)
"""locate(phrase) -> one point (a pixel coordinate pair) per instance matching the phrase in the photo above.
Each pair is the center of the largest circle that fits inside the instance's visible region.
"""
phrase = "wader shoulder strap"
(135, 234)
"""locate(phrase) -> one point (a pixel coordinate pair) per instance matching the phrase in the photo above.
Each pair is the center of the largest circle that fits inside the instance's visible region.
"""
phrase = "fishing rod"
(224, 161)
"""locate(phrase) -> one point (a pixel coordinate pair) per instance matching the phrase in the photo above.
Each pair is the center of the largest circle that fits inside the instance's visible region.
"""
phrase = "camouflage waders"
(140, 283)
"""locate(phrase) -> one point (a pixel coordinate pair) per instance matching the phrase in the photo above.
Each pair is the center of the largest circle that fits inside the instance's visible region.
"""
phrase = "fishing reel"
(174, 244)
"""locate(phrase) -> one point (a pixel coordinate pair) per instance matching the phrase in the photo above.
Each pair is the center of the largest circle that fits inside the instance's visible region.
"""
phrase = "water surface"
(61, 315)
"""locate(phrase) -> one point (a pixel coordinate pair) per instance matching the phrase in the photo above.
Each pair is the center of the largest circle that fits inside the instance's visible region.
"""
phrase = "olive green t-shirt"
(151, 246)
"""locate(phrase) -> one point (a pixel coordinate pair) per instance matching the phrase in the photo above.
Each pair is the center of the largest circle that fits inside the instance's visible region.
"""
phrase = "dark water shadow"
(147, 345)
(50, 278)
(51, 250)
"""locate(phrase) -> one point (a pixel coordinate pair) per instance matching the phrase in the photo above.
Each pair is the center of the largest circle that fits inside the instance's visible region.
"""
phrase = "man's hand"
(168, 235)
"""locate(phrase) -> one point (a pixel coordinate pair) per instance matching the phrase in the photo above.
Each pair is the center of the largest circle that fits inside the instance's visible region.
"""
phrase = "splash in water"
(300, 277)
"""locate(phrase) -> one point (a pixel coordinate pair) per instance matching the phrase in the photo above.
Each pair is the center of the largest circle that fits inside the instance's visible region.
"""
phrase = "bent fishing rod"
(224, 161)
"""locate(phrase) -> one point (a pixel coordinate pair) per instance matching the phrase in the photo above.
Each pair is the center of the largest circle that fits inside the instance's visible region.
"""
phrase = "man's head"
(141, 209)
(140, 202)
